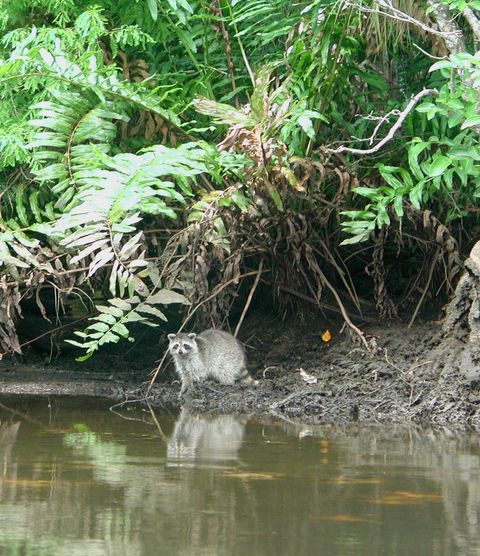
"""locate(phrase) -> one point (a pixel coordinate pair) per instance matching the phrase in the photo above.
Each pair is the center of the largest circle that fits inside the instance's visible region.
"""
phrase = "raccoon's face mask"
(182, 346)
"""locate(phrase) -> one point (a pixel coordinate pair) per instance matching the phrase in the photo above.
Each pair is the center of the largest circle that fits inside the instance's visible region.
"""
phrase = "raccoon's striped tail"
(247, 379)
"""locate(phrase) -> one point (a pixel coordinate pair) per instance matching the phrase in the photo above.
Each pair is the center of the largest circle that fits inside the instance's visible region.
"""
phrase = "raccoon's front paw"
(187, 386)
(183, 389)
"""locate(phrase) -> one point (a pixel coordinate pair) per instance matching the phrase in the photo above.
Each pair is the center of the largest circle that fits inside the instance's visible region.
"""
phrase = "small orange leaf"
(326, 336)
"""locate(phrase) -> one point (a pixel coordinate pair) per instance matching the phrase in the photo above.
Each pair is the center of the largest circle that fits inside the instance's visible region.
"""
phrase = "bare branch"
(403, 114)
(456, 43)
(249, 298)
(381, 120)
(452, 34)
(428, 53)
(473, 21)
(386, 8)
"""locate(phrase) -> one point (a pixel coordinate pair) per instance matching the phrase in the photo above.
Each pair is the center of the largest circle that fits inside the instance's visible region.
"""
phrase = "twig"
(425, 289)
(345, 316)
(52, 331)
(249, 298)
(216, 9)
(126, 418)
(327, 306)
(419, 365)
(122, 403)
(390, 363)
(473, 21)
(428, 53)
(351, 290)
(269, 368)
(242, 50)
(157, 424)
(381, 120)
(24, 416)
(395, 13)
(282, 417)
(403, 114)
(292, 396)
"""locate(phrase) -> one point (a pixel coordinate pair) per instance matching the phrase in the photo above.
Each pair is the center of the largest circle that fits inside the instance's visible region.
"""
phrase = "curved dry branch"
(452, 35)
(403, 114)
(387, 9)
(473, 21)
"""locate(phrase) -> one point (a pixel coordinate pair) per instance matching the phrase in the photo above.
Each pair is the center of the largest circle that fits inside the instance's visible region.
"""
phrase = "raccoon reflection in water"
(205, 438)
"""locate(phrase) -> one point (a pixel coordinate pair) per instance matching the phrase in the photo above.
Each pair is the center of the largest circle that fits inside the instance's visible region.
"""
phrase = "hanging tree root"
(463, 312)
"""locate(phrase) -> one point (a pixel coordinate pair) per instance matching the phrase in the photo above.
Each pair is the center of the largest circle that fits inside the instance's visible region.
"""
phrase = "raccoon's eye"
(174, 346)
(186, 347)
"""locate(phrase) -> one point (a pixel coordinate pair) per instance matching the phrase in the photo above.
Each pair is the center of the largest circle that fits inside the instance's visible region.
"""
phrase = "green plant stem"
(326, 96)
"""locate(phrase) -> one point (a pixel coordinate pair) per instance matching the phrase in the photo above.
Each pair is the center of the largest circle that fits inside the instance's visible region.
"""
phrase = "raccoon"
(211, 354)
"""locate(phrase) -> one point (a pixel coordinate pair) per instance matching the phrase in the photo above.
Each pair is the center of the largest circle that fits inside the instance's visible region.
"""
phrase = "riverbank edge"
(410, 375)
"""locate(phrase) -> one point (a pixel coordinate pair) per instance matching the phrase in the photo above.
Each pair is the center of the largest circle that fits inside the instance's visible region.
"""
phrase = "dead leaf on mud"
(401, 498)
(326, 336)
(309, 379)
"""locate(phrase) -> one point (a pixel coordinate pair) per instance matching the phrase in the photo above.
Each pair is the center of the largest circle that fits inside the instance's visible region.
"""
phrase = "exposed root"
(426, 288)
(385, 306)
(249, 298)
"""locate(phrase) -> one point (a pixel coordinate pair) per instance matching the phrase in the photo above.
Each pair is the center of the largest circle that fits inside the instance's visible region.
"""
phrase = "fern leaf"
(111, 322)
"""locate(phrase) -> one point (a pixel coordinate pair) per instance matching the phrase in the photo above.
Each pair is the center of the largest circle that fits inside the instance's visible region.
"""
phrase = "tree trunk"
(463, 312)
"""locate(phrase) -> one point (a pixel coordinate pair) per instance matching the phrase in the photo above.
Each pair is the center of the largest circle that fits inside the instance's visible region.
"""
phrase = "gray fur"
(211, 354)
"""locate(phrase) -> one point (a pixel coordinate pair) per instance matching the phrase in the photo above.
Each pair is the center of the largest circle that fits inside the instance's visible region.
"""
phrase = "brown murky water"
(78, 480)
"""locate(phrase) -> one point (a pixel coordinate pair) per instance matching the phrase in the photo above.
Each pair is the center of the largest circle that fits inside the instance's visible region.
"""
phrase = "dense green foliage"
(216, 123)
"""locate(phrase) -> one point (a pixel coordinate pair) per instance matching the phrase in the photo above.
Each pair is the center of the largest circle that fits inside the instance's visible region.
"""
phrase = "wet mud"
(409, 375)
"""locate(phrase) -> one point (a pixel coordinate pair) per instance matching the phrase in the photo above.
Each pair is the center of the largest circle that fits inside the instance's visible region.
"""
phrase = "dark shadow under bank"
(413, 375)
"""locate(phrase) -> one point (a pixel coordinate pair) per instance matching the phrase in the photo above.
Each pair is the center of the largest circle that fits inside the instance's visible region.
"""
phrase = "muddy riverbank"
(410, 375)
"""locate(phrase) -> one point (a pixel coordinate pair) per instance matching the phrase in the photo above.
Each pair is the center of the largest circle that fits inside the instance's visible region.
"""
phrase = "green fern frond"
(109, 202)
(99, 198)
(91, 23)
(103, 81)
(67, 123)
(260, 19)
(110, 325)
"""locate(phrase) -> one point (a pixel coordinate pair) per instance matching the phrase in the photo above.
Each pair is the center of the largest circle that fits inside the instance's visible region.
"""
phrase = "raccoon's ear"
(171, 336)
(192, 336)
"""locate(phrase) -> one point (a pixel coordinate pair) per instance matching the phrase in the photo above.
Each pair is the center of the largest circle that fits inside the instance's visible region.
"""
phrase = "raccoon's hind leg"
(224, 377)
